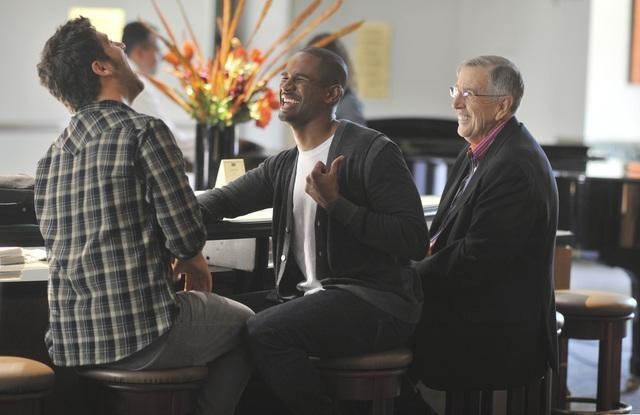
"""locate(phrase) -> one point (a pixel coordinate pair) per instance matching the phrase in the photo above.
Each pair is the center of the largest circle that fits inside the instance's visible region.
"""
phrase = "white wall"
(547, 39)
(24, 28)
(613, 104)
(30, 119)
(422, 52)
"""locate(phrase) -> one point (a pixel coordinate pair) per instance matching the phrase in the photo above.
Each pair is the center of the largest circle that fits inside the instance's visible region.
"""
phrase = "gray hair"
(504, 76)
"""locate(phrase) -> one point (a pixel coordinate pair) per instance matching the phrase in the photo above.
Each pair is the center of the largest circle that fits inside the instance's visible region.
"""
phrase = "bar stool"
(530, 399)
(23, 385)
(372, 377)
(145, 392)
(594, 315)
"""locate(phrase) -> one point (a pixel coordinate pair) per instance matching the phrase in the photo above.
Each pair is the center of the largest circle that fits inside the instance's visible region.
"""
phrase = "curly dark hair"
(65, 63)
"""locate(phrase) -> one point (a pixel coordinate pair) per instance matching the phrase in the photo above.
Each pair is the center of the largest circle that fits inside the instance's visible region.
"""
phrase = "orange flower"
(240, 53)
(171, 58)
(256, 56)
(262, 123)
(231, 86)
(187, 49)
(272, 99)
(265, 116)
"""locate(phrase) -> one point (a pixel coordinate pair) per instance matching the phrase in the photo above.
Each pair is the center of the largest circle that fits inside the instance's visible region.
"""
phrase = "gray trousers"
(209, 329)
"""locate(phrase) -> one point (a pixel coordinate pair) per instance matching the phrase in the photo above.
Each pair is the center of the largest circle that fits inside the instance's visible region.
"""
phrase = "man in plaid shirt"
(119, 221)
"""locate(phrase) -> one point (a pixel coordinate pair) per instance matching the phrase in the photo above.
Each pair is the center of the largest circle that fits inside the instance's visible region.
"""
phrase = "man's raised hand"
(322, 183)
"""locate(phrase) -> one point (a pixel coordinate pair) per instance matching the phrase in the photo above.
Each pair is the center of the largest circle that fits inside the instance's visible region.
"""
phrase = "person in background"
(143, 52)
(347, 219)
(488, 320)
(350, 106)
(119, 221)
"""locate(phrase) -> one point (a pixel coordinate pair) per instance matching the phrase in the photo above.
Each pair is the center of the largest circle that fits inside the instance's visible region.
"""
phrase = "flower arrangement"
(231, 87)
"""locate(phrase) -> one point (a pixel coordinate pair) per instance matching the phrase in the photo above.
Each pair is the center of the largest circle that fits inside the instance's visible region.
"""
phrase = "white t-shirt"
(304, 214)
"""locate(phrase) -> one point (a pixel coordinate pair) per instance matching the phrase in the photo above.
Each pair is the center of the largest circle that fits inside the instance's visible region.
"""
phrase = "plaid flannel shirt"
(114, 206)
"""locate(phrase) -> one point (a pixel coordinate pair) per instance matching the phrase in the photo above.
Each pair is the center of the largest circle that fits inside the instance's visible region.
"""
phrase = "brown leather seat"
(23, 384)
(372, 377)
(148, 377)
(391, 359)
(593, 315)
(157, 392)
(593, 303)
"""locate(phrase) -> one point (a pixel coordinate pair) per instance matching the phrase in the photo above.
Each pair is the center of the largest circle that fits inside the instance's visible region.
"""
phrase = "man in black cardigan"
(347, 219)
(488, 320)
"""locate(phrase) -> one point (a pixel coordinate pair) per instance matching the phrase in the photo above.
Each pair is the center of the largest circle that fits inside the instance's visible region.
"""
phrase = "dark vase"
(213, 144)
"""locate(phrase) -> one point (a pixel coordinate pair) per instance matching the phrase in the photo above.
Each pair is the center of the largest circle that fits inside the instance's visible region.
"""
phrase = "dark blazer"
(488, 319)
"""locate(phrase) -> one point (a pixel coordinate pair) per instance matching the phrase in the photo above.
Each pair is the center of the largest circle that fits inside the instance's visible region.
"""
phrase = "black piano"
(431, 145)
(599, 199)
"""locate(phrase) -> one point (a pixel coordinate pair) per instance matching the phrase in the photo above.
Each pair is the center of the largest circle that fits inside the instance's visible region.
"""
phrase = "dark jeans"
(329, 323)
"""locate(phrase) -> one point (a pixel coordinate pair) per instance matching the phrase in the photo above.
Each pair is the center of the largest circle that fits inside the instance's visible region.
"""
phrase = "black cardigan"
(364, 241)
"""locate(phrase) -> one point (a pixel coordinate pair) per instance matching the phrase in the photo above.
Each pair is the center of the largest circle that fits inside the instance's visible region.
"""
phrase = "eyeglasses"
(465, 93)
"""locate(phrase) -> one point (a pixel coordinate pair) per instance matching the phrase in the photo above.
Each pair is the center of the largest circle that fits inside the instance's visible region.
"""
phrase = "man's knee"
(238, 311)
(261, 332)
(217, 307)
(256, 327)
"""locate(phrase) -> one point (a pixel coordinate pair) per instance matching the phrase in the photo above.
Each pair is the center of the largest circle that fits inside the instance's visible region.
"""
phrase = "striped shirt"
(477, 151)
(114, 206)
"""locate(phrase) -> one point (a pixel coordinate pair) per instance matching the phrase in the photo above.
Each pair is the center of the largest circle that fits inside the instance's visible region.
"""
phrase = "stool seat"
(390, 359)
(147, 377)
(19, 375)
(593, 315)
(593, 303)
(371, 377)
(143, 392)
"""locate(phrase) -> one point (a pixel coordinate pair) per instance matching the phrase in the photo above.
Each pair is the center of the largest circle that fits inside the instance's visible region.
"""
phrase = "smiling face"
(304, 94)
(477, 115)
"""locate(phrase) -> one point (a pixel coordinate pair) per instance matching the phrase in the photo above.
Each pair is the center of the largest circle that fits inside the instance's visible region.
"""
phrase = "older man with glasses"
(488, 320)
